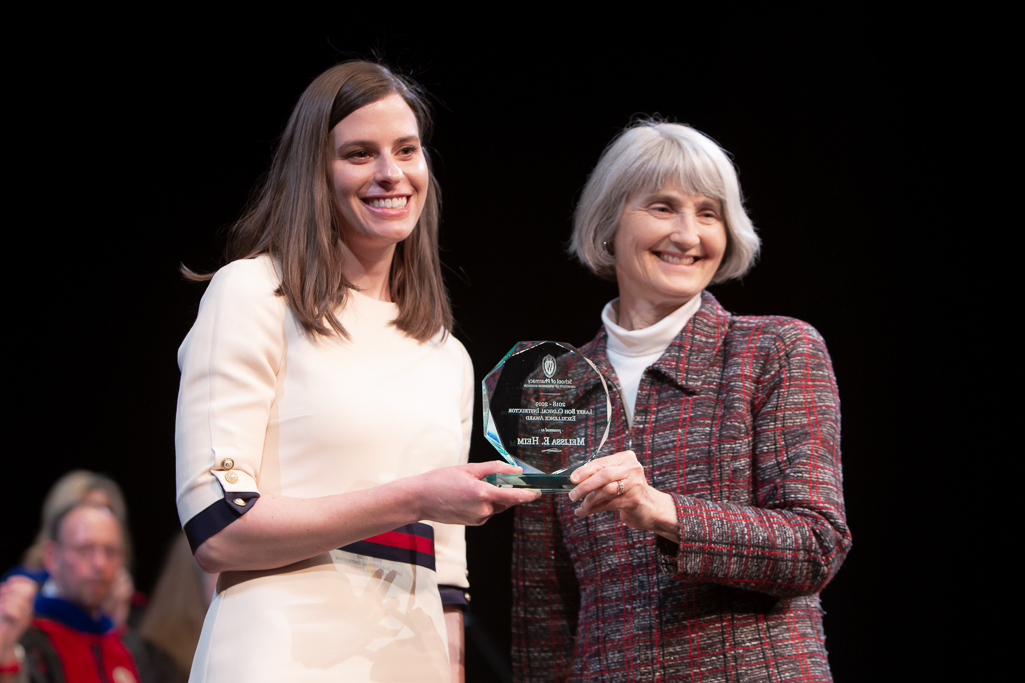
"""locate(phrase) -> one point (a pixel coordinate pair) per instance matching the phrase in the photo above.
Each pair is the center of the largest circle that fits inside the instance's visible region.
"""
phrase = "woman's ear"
(609, 245)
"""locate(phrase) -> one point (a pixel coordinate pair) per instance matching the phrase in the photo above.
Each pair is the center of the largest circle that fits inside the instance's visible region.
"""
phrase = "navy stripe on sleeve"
(454, 595)
(218, 515)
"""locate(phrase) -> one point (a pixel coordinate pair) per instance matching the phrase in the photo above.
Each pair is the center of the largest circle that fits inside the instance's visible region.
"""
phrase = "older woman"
(325, 410)
(697, 549)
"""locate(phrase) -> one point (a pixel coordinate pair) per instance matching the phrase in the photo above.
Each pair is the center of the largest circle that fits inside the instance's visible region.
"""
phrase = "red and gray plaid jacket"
(740, 421)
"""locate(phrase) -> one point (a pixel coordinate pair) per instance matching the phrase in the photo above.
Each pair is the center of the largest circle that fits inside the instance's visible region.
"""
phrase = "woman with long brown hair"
(325, 409)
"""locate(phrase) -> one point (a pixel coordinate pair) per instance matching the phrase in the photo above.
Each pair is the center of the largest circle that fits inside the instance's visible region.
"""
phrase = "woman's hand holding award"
(542, 414)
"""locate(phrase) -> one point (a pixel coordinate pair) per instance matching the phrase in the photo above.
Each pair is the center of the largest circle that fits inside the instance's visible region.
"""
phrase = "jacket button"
(238, 501)
(227, 463)
(231, 477)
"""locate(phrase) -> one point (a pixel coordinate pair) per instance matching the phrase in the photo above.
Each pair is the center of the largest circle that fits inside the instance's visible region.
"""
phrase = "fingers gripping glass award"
(541, 413)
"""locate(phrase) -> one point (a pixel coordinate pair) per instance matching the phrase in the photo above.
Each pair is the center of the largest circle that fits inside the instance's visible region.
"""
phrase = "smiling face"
(379, 176)
(668, 247)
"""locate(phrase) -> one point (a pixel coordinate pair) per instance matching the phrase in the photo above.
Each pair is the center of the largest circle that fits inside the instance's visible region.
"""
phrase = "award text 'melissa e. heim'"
(545, 441)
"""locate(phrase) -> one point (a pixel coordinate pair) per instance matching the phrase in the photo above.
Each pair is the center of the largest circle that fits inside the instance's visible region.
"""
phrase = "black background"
(131, 155)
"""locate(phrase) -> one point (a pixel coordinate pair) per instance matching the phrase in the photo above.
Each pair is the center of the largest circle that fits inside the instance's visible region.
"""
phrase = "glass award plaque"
(541, 413)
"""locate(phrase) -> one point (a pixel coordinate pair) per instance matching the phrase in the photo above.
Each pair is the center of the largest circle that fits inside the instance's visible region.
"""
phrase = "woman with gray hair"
(723, 471)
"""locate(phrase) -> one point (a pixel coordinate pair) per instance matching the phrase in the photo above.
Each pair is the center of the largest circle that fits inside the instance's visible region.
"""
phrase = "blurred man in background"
(64, 634)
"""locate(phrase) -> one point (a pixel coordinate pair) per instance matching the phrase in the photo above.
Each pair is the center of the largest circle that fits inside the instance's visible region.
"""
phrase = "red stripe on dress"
(397, 539)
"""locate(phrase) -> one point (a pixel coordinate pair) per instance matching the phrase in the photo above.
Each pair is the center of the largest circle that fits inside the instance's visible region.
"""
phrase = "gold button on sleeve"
(238, 501)
(227, 463)
(231, 477)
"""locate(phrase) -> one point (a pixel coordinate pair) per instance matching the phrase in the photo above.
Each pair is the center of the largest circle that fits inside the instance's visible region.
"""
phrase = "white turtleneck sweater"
(632, 351)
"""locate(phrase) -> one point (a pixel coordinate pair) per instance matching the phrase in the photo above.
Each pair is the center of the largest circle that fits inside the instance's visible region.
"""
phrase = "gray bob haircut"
(645, 157)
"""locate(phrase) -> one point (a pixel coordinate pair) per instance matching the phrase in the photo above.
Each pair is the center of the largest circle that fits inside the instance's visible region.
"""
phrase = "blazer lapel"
(688, 357)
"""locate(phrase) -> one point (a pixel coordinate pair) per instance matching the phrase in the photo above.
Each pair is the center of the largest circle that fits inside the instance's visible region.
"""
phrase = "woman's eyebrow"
(661, 197)
(700, 201)
(357, 143)
(708, 201)
(370, 143)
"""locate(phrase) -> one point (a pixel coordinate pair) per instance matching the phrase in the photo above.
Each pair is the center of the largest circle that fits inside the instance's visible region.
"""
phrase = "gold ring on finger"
(622, 488)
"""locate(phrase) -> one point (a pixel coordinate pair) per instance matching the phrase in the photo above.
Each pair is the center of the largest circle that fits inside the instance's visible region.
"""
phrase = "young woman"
(325, 409)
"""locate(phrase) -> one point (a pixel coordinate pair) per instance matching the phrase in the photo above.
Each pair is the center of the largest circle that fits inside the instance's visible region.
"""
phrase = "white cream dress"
(263, 408)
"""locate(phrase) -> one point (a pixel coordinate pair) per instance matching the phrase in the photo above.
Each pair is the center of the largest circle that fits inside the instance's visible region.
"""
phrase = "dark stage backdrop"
(136, 155)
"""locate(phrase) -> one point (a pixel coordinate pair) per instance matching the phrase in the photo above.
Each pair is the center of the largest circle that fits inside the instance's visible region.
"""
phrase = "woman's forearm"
(279, 530)
(785, 552)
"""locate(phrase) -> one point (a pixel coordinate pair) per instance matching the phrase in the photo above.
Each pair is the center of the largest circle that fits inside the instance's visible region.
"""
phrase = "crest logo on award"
(536, 414)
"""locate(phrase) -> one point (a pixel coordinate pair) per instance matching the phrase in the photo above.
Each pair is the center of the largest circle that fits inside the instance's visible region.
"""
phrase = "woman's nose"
(687, 228)
(387, 171)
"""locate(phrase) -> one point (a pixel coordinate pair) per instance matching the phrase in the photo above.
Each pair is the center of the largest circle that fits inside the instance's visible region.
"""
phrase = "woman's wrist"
(404, 496)
(665, 522)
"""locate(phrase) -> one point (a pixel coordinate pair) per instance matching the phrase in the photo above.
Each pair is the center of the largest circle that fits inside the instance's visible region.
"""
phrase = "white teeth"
(677, 260)
(396, 203)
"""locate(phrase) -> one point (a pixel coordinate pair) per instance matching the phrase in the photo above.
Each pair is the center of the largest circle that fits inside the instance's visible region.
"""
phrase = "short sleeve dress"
(264, 408)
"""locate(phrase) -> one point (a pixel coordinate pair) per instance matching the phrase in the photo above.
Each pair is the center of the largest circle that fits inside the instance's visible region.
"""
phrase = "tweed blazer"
(739, 421)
